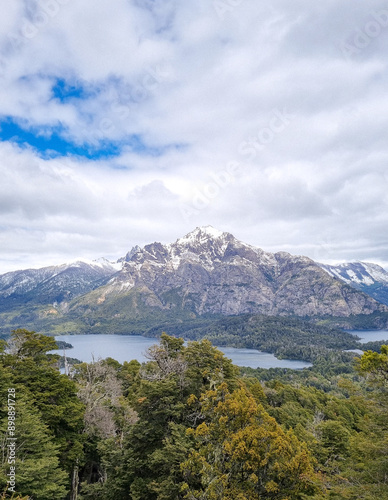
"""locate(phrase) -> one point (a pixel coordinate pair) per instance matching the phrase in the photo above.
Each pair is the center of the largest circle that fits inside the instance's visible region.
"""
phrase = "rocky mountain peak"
(205, 245)
(202, 234)
(205, 272)
(206, 242)
(210, 271)
(130, 254)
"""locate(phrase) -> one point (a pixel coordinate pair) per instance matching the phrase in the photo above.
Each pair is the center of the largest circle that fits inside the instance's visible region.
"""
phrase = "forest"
(188, 424)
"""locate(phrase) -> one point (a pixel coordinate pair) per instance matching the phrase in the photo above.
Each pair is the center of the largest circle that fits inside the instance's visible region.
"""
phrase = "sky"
(128, 122)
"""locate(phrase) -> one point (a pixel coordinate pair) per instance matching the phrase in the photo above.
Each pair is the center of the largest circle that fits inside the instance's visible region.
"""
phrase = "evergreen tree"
(53, 394)
(38, 473)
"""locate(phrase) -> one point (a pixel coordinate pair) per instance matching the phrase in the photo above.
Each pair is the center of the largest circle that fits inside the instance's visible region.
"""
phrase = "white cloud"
(202, 90)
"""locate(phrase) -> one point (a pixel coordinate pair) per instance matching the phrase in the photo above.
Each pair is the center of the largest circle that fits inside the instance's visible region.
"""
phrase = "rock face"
(206, 272)
(210, 272)
(369, 278)
(53, 284)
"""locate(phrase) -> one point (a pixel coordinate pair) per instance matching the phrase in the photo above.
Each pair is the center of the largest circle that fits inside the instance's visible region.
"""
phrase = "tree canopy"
(188, 425)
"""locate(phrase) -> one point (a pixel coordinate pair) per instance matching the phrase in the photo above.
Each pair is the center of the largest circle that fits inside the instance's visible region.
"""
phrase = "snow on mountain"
(54, 283)
(205, 272)
(365, 276)
(210, 271)
(129, 255)
(100, 263)
(205, 246)
(200, 234)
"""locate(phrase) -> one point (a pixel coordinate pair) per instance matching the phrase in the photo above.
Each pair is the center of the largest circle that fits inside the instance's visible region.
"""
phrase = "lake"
(128, 347)
(370, 335)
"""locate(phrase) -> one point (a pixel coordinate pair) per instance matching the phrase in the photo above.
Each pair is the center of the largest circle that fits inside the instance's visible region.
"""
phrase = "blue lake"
(370, 335)
(128, 347)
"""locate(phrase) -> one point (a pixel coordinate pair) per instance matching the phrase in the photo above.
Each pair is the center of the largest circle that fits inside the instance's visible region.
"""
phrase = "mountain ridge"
(207, 272)
(365, 276)
(54, 283)
(211, 272)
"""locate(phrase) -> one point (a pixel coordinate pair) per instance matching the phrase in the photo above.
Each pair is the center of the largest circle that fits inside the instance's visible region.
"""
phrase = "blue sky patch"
(65, 91)
(49, 142)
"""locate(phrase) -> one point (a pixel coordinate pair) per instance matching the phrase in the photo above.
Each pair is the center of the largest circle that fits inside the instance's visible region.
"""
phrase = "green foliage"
(375, 365)
(49, 415)
(241, 452)
(189, 425)
(374, 321)
(325, 373)
(25, 344)
(142, 460)
(290, 338)
(207, 366)
(365, 466)
(38, 472)
(13, 496)
(53, 394)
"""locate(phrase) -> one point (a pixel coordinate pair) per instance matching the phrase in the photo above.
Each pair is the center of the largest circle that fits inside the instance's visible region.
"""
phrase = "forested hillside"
(189, 425)
(291, 338)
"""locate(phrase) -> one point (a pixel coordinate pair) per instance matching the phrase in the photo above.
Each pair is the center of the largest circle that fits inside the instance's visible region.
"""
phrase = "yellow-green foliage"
(241, 452)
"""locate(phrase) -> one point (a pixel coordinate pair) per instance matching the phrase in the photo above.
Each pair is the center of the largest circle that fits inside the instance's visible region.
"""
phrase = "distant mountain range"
(54, 284)
(369, 278)
(207, 273)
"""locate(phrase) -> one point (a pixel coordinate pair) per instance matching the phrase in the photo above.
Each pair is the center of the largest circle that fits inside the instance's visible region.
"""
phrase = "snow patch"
(361, 273)
(202, 234)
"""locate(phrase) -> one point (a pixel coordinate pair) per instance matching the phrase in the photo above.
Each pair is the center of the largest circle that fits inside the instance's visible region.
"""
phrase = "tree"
(5, 496)
(100, 391)
(242, 453)
(29, 344)
(107, 418)
(38, 472)
(208, 367)
(34, 372)
(367, 472)
(156, 443)
(375, 366)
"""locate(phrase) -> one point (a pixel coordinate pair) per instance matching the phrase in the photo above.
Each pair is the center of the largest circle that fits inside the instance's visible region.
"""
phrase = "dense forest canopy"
(189, 425)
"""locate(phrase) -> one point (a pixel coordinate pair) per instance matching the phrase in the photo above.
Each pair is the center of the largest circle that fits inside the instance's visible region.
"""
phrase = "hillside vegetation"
(189, 425)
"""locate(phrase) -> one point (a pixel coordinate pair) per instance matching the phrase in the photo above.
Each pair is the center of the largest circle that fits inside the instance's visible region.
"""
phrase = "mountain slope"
(369, 278)
(51, 285)
(206, 274)
(212, 273)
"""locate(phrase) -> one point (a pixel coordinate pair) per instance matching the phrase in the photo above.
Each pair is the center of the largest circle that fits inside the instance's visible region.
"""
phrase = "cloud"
(292, 93)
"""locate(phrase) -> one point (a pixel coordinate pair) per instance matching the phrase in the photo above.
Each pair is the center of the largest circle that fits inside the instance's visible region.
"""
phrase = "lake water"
(370, 335)
(128, 347)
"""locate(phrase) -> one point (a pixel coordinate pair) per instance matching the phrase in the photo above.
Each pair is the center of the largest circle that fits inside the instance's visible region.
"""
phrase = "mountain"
(54, 284)
(369, 278)
(209, 272)
(206, 274)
